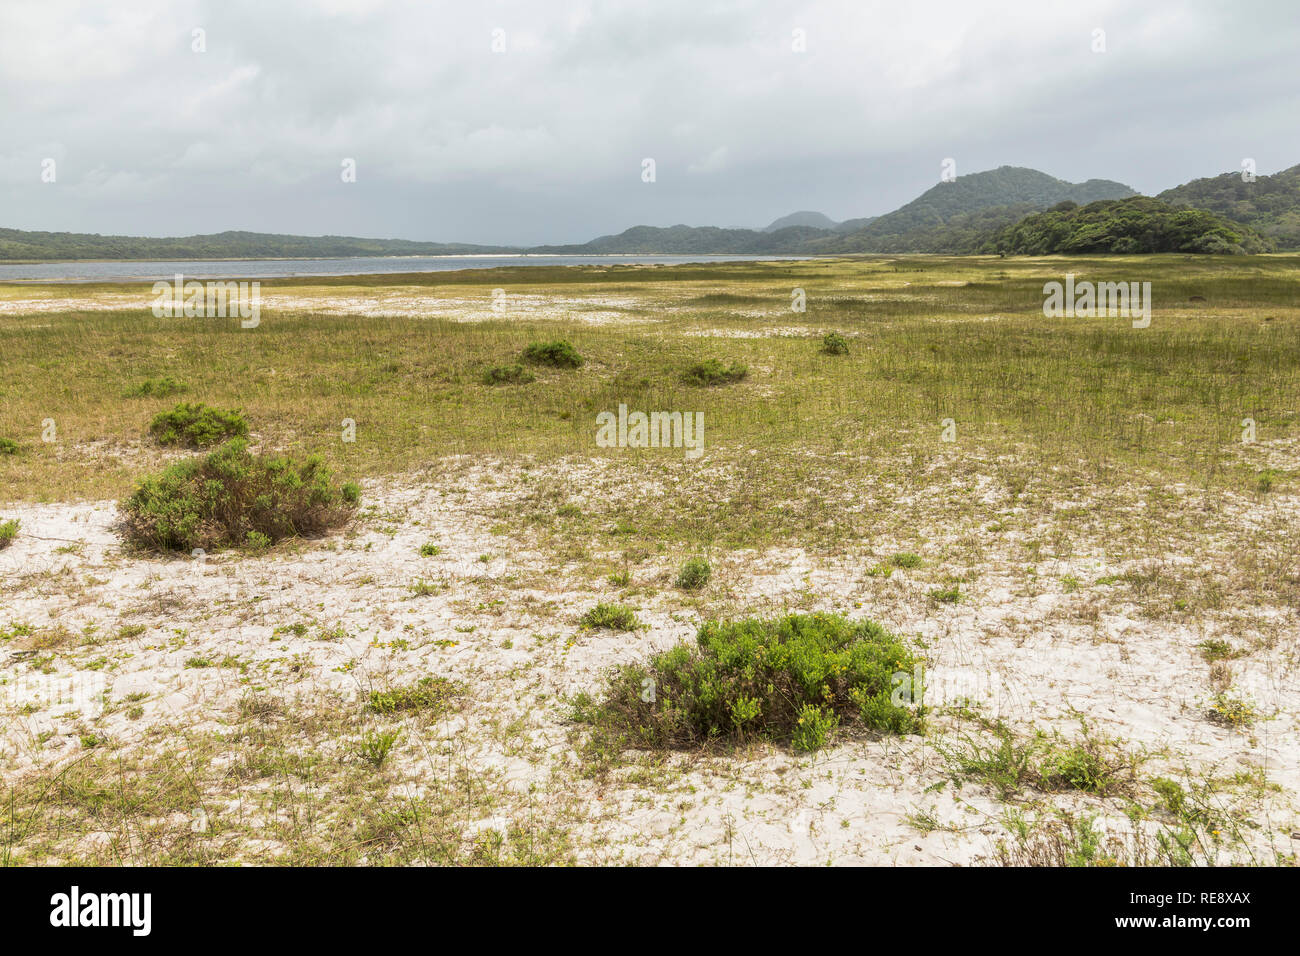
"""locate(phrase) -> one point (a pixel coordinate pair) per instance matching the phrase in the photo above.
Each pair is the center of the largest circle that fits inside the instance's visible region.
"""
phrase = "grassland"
(1096, 520)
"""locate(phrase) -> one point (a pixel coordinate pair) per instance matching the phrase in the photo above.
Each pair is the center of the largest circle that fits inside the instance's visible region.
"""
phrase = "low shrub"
(157, 388)
(695, 573)
(792, 680)
(197, 425)
(233, 498)
(555, 354)
(508, 375)
(8, 531)
(611, 617)
(712, 372)
(835, 344)
(8, 446)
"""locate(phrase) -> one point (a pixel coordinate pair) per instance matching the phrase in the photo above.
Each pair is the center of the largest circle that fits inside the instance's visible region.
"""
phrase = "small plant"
(695, 573)
(428, 694)
(422, 588)
(197, 425)
(8, 446)
(429, 550)
(1265, 480)
(375, 746)
(1231, 711)
(834, 344)
(906, 559)
(508, 375)
(813, 728)
(1216, 649)
(157, 388)
(712, 372)
(948, 595)
(1090, 764)
(612, 617)
(233, 498)
(558, 354)
(8, 530)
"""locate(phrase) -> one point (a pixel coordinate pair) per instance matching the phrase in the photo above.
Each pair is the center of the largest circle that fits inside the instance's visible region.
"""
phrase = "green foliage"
(835, 344)
(157, 388)
(375, 746)
(197, 425)
(612, 617)
(429, 550)
(906, 559)
(8, 530)
(695, 573)
(1090, 764)
(792, 679)
(557, 354)
(713, 372)
(8, 446)
(429, 694)
(1135, 225)
(1270, 205)
(230, 496)
(948, 595)
(508, 375)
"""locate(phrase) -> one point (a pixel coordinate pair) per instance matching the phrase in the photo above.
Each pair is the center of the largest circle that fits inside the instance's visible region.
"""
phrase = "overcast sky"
(544, 142)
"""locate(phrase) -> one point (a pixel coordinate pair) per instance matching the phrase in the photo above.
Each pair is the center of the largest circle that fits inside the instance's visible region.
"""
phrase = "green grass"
(157, 388)
(8, 531)
(1094, 399)
(431, 695)
(713, 372)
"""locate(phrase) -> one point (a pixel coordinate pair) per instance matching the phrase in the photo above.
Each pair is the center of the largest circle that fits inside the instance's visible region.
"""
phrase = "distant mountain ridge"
(804, 217)
(1270, 205)
(17, 244)
(959, 217)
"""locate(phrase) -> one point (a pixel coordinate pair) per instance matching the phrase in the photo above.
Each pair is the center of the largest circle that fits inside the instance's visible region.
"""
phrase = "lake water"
(272, 268)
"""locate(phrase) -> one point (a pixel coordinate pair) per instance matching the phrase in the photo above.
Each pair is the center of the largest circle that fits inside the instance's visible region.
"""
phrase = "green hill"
(954, 216)
(1135, 225)
(16, 244)
(1270, 205)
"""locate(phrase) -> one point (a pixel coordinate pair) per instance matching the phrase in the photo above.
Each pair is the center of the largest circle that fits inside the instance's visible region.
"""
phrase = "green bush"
(835, 344)
(791, 680)
(157, 388)
(612, 617)
(8, 446)
(232, 498)
(712, 372)
(555, 354)
(508, 375)
(695, 573)
(8, 530)
(197, 425)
